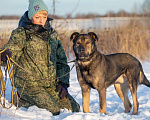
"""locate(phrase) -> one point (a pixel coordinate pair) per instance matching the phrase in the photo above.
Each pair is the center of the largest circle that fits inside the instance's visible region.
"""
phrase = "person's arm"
(62, 71)
(16, 43)
(62, 66)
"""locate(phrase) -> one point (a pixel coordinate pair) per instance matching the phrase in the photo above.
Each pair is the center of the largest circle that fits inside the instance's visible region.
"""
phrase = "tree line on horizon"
(121, 13)
(143, 11)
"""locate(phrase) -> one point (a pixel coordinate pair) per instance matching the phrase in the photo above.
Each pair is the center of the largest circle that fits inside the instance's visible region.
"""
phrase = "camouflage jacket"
(40, 52)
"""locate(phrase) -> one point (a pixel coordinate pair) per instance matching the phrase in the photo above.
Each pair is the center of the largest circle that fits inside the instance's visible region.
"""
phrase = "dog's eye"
(87, 42)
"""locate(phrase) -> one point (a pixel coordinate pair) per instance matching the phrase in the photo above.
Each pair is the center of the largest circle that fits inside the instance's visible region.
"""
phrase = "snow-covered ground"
(115, 108)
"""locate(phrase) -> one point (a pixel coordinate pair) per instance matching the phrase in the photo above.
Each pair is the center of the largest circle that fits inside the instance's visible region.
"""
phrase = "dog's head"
(84, 45)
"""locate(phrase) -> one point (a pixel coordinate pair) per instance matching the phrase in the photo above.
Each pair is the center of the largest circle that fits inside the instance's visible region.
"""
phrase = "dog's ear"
(73, 36)
(93, 36)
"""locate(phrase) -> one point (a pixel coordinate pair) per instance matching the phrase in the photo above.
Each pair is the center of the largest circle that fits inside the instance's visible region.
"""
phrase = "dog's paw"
(103, 111)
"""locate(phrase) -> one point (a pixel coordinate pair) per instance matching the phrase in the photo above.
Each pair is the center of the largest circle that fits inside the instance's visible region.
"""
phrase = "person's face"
(39, 18)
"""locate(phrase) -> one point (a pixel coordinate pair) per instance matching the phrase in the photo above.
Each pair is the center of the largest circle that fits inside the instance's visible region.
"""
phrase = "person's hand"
(62, 89)
(3, 55)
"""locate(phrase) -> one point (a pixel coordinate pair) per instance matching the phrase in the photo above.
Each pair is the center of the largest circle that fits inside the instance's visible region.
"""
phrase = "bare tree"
(146, 7)
(53, 7)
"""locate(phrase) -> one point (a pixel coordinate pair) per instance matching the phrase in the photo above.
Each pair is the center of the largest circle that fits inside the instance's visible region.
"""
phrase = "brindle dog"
(99, 71)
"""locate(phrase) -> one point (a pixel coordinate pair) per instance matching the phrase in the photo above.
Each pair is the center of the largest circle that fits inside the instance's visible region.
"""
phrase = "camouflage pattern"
(40, 52)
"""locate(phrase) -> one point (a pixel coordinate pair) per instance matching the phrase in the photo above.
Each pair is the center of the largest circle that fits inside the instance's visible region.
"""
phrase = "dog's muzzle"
(83, 55)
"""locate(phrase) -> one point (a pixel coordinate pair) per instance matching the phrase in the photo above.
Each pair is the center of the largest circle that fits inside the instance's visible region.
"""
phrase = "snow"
(115, 108)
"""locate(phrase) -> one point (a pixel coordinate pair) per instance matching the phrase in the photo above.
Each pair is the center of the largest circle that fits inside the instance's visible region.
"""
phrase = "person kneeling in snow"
(36, 47)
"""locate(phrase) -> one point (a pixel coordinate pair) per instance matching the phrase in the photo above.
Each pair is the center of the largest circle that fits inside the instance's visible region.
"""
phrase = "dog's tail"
(143, 79)
(146, 82)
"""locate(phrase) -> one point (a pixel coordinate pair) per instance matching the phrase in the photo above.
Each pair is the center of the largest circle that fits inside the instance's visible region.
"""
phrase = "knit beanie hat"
(36, 6)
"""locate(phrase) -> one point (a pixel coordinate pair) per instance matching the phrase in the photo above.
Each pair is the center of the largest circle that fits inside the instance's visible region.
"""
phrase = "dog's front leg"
(102, 100)
(86, 98)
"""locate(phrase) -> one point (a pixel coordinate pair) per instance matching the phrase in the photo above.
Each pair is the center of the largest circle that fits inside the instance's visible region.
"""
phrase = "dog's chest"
(88, 72)
(89, 78)
(87, 75)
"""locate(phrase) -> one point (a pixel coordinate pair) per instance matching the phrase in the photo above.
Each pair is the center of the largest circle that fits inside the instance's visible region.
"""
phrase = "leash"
(77, 94)
(3, 83)
(10, 71)
(39, 79)
(72, 61)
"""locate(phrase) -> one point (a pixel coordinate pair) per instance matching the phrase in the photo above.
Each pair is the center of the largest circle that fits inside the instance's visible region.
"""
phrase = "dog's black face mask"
(84, 45)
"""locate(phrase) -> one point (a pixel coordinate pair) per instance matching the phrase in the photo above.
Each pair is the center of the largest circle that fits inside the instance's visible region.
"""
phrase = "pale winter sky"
(63, 7)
